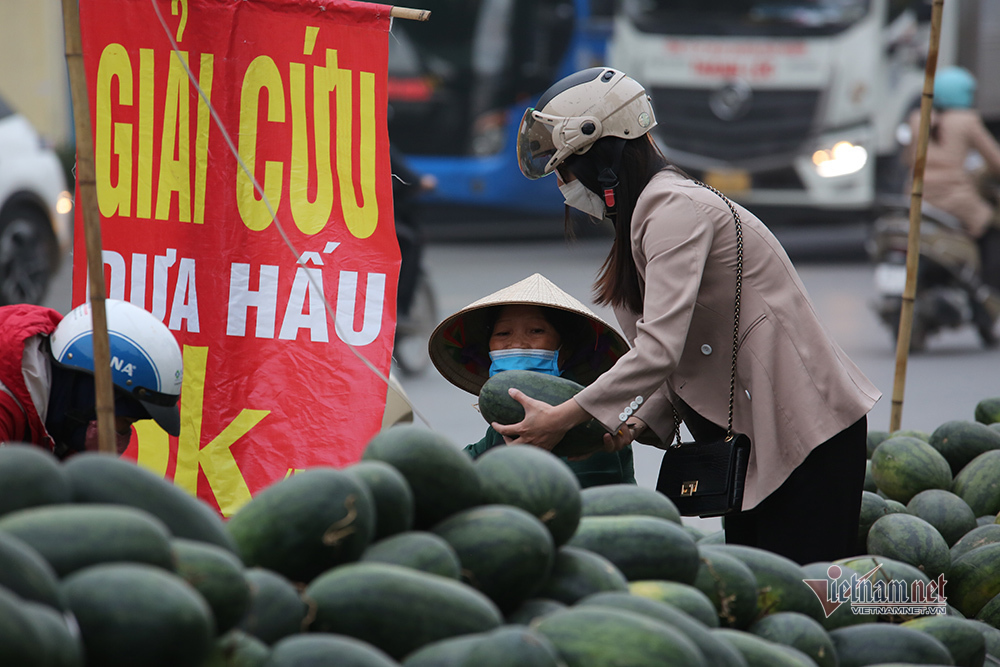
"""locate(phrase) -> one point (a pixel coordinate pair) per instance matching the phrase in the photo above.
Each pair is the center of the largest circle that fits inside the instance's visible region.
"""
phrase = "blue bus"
(459, 84)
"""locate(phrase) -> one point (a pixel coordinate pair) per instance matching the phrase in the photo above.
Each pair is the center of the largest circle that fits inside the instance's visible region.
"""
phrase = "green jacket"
(601, 468)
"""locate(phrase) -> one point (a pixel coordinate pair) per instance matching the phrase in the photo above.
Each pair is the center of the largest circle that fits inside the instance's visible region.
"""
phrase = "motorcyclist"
(957, 130)
(47, 395)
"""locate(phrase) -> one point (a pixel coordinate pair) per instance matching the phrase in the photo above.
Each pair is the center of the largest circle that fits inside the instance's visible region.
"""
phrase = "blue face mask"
(541, 361)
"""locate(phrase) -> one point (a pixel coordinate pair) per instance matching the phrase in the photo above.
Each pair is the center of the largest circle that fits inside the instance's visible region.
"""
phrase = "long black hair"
(617, 283)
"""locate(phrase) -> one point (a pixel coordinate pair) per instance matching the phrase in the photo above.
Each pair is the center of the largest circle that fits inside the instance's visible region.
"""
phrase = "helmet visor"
(535, 147)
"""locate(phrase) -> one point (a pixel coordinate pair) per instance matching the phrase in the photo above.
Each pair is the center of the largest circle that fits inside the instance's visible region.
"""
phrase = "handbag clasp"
(689, 488)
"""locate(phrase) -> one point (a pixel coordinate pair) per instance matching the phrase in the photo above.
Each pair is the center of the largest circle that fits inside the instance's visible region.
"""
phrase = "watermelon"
(951, 515)
(72, 537)
(577, 573)
(305, 524)
(503, 647)
(780, 585)
(237, 649)
(416, 549)
(874, 643)
(903, 466)
(685, 597)
(450, 652)
(441, 477)
(717, 653)
(515, 645)
(962, 638)
(825, 577)
(911, 433)
(218, 576)
(760, 652)
(531, 609)
(396, 609)
(912, 540)
(875, 439)
(873, 508)
(391, 494)
(600, 636)
(536, 481)
(894, 506)
(505, 552)
(21, 642)
(987, 411)
(326, 650)
(730, 585)
(990, 633)
(622, 499)
(24, 572)
(276, 608)
(799, 631)
(990, 613)
(61, 640)
(718, 537)
(107, 479)
(497, 405)
(30, 477)
(974, 579)
(978, 483)
(641, 547)
(134, 614)
(889, 570)
(961, 441)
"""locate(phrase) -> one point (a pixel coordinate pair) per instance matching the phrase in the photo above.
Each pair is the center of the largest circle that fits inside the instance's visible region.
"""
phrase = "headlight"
(65, 203)
(843, 159)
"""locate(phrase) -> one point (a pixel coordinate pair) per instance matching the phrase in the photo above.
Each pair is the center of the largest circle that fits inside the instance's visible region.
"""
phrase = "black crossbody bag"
(707, 478)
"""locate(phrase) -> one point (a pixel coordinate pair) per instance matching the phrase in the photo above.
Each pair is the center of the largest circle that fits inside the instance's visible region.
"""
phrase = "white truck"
(795, 104)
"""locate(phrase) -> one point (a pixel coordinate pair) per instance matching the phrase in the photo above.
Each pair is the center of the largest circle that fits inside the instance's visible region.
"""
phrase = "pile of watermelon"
(419, 556)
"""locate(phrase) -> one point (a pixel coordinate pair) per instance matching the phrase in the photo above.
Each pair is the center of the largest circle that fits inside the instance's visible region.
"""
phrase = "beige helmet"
(577, 111)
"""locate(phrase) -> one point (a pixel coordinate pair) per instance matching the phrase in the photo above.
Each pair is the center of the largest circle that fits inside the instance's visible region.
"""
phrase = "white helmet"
(577, 111)
(145, 357)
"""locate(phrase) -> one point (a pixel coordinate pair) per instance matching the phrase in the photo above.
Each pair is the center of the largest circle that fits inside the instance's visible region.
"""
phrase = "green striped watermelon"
(621, 499)
(416, 549)
(962, 638)
(979, 536)
(683, 596)
(536, 481)
(641, 547)
(505, 552)
(988, 410)
(951, 515)
(974, 579)
(874, 643)
(960, 441)
(730, 585)
(903, 466)
(978, 483)
(760, 652)
(578, 573)
(799, 631)
(912, 540)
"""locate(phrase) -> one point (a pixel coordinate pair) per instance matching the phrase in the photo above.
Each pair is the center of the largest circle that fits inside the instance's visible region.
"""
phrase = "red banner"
(271, 382)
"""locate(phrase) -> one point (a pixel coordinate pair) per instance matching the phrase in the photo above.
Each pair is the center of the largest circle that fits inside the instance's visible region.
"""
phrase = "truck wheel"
(28, 255)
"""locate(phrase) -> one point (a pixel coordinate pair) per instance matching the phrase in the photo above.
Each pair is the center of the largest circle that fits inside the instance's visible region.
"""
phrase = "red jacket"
(19, 419)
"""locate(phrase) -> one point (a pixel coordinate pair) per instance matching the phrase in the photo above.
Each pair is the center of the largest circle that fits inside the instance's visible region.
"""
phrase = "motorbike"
(949, 291)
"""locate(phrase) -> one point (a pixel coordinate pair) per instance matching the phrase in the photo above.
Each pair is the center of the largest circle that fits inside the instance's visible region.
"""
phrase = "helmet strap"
(608, 179)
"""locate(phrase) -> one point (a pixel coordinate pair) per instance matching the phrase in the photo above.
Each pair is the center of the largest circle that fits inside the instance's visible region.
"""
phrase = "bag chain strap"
(736, 318)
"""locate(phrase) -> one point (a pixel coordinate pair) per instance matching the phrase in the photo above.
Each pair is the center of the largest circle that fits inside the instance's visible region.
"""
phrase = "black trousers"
(813, 516)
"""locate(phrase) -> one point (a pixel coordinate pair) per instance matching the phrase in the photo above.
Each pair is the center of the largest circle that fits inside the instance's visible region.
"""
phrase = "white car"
(34, 211)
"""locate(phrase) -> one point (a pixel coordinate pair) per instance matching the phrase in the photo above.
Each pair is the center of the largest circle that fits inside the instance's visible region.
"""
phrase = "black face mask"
(70, 410)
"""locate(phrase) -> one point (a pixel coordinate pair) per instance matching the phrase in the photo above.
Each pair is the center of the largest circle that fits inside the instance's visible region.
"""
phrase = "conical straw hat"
(459, 346)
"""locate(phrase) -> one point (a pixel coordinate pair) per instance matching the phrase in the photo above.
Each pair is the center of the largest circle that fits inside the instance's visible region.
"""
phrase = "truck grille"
(778, 121)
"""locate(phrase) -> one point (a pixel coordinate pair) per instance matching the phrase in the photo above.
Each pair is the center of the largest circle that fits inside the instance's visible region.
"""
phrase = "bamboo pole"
(913, 240)
(411, 14)
(91, 226)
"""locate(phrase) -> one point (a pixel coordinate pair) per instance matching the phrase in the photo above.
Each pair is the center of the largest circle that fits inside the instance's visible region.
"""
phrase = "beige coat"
(795, 388)
(948, 185)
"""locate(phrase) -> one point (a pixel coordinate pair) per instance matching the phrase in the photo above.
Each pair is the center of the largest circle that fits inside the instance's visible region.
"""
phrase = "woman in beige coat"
(671, 278)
